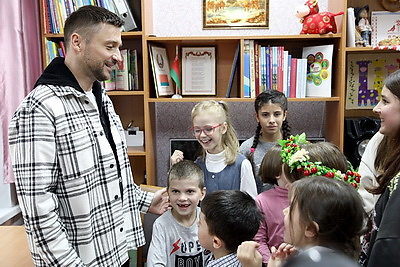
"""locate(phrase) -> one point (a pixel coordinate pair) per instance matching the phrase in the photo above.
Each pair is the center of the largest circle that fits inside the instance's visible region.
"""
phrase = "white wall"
(185, 18)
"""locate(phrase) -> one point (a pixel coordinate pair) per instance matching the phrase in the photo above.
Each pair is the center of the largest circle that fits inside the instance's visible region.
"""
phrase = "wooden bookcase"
(373, 6)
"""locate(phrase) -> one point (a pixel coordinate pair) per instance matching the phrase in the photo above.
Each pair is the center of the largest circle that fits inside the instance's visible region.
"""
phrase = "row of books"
(53, 50)
(56, 12)
(274, 68)
(125, 76)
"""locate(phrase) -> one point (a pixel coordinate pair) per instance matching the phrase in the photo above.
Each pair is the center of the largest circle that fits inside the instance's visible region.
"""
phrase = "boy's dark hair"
(232, 216)
(337, 209)
(186, 169)
(86, 20)
(271, 165)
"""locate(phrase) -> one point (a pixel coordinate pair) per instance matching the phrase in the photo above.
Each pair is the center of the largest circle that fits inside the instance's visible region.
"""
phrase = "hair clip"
(252, 150)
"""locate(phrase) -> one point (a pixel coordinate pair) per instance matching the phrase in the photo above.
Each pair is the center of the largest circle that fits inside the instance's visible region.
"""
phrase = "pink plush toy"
(314, 22)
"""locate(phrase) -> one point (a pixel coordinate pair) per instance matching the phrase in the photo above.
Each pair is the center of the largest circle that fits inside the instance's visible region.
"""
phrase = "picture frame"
(199, 70)
(220, 14)
(161, 71)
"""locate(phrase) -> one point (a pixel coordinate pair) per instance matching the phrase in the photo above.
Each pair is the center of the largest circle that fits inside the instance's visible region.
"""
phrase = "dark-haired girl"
(270, 111)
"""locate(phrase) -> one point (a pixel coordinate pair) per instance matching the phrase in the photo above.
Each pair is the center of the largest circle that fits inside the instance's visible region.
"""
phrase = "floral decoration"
(297, 159)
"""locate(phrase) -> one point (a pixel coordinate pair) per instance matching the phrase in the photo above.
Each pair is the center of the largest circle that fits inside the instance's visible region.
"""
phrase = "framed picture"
(235, 13)
(198, 71)
(160, 67)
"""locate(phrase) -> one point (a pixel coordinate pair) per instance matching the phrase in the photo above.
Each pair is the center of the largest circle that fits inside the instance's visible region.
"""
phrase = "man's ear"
(312, 230)
(76, 42)
(217, 242)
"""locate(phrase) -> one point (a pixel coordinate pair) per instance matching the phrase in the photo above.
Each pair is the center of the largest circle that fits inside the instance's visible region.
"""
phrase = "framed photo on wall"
(225, 14)
(160, 67)
(198, 71)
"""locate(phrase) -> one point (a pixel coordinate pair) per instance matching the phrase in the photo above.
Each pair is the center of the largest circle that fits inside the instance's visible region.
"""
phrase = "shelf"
(199, 99)
(370, 49)
(235, 38)
(111, 93)
(136, 151)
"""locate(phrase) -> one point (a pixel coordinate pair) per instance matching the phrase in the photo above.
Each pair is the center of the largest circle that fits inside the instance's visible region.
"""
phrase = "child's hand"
(248, 254)
(280, 254)
(176, 157)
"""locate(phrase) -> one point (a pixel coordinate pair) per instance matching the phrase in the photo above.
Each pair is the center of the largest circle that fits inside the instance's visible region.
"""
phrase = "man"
(73, 178)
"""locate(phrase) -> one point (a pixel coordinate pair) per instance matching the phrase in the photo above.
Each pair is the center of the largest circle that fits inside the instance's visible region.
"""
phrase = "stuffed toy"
(315, 22)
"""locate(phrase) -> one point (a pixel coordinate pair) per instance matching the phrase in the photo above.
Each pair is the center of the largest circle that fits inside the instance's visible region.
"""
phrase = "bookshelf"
(361, 52)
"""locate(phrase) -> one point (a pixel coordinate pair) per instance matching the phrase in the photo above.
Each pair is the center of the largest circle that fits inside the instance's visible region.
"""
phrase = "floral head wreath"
(297, 159)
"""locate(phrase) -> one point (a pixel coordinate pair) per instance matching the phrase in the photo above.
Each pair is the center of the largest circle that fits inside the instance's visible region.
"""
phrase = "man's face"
(101, 52)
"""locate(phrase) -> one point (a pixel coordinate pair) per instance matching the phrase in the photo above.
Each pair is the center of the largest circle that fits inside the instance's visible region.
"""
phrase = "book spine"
(293, 78)
(280, 68)
(252, 71)
(233, 71)
(289, 62)
(263, 69)
(275, 68)
(268, 68)
(256, 69)
(246, 66)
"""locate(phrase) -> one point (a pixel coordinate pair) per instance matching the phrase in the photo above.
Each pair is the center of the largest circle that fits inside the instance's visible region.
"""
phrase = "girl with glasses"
(224, 167)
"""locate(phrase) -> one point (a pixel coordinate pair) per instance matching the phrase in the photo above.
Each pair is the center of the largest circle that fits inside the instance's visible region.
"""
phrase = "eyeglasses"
(207, 130)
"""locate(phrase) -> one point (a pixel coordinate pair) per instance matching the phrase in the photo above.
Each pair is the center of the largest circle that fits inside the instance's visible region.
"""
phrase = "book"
(293, 78)
(122, 77)
(134, 70)
(256, 68)
(246, 67)
(301, 78)
(319, 70)
(365, 76)
(233, 71)
(385, 25)
(161, 71)
(252, 70)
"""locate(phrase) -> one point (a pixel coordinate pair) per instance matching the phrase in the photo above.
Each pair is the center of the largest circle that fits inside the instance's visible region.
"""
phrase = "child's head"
(271, 165)
(185, 187)
(302, 158)
(326, 153)
(213, 129)
(228, 217)
(325, 212)
(271, 110)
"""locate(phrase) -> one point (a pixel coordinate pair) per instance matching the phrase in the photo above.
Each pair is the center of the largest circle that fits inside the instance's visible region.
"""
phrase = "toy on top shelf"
(362, 23)
(315, 22)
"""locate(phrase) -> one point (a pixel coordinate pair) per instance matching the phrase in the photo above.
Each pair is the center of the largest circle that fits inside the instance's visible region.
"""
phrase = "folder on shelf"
(123, 10)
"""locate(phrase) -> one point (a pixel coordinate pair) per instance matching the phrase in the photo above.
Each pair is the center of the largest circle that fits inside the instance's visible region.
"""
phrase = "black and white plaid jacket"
(67, 177)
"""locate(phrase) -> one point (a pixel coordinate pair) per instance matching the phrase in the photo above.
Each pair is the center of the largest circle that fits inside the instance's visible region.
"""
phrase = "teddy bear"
(315, 22)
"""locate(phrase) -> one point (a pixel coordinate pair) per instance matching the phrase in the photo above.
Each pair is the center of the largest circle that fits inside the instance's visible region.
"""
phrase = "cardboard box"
(134, 138)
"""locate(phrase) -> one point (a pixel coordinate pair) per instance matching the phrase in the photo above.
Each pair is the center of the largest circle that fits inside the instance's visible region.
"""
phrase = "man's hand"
(160, 202)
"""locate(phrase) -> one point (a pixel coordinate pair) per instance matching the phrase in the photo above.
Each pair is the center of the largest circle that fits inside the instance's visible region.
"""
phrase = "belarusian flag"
(175, 74)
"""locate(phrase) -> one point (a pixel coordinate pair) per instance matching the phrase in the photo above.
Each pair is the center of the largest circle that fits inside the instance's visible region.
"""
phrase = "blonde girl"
(223, 166)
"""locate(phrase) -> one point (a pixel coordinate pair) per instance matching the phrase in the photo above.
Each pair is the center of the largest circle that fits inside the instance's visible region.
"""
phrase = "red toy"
(314, 22)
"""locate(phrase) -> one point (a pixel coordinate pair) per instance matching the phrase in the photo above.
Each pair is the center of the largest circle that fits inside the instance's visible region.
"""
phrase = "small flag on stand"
(175, 73)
